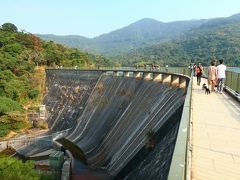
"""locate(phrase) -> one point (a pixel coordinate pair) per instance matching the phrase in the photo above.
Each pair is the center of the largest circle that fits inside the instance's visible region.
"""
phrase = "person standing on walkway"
(194, 69)
(212, 76)
(199, 70)
(221, 69)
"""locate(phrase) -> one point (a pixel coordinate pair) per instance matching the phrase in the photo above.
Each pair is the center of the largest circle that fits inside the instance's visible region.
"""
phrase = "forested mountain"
(218, 22)
(20, 54)
(175, 43)
(199, 45)
(73, 41)
(140, 33)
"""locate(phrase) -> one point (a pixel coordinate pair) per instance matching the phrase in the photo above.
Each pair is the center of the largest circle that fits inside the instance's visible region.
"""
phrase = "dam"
(125, 122)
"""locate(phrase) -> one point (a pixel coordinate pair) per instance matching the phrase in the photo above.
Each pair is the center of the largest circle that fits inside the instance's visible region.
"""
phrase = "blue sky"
(91, 18)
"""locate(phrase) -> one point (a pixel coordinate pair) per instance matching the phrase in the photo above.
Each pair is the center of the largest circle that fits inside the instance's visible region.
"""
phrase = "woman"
(199, 70)
(212, 76)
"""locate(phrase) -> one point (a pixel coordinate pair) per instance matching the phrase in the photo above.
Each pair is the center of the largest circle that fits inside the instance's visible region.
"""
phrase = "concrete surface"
(215, 136)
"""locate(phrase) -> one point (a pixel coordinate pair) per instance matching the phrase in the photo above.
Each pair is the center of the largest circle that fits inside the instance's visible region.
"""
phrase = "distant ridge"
(68, 40)
(175, 43)
(136, 34)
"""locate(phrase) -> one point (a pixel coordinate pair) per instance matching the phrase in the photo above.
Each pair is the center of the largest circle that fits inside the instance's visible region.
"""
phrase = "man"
(221, 68)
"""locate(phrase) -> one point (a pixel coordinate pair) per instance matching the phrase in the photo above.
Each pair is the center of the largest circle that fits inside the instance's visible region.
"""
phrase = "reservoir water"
(234, 69)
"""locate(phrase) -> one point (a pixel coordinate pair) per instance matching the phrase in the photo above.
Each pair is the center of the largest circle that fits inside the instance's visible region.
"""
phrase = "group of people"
(216, 75)
(151, 67)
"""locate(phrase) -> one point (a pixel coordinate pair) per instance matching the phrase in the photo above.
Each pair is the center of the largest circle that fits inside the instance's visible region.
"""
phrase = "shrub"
(8, 105)
(11, 168)
(33, 93)
(12, 121)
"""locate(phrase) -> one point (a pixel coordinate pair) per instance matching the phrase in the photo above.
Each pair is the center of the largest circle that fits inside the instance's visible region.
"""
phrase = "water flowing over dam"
(125, 126)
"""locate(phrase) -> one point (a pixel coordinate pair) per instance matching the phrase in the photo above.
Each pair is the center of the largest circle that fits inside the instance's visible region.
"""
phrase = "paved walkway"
(215, 136)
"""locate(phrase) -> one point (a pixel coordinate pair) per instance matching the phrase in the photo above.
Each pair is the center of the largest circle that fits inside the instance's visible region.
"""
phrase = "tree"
(33, 93)
(8, 105)
(11, 168)
(9, 27)
(12, 121)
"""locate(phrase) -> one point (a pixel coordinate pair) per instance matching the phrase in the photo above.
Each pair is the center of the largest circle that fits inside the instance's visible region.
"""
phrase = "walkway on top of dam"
(215, 137)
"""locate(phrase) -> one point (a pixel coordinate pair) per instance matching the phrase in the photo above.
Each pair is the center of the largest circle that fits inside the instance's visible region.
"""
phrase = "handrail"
(178, 70)
(233, 81)
(178, 168)
(19, 142)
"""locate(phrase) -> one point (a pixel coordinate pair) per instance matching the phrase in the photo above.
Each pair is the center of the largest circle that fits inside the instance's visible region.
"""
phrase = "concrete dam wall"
(126, 126)
(67, 94)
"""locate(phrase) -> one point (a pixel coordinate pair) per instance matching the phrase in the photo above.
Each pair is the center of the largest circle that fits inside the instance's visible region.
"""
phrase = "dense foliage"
(11, 168)
(14, 169)
(200, 45)
(20, 55)
(12, 121)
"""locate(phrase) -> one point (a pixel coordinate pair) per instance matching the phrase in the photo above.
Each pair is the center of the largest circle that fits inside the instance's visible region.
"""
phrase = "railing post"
(238, 83)
(182, 83)
(167, 78)
(174, 81)
(126, 74)
(115, 73)
(157, 77)
(137, 75)
(146, 75)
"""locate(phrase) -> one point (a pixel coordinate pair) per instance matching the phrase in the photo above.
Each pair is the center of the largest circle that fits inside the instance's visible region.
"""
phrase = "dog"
(204, 86)
(207, 90)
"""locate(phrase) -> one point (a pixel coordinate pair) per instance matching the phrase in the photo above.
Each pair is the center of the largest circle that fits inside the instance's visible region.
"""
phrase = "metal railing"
(37, 139)
(233, 81)
(232, 78)
(179, 164)
(178, 70)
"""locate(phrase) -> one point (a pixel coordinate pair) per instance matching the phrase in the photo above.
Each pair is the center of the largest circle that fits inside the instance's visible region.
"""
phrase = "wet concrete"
(110, 119)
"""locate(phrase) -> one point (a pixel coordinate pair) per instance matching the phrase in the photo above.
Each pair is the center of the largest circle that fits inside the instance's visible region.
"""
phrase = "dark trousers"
(220, 84)
(198, 80)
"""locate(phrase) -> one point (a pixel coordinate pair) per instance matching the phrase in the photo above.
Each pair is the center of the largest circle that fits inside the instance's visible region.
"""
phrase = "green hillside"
(22, 56)
(200, 45)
